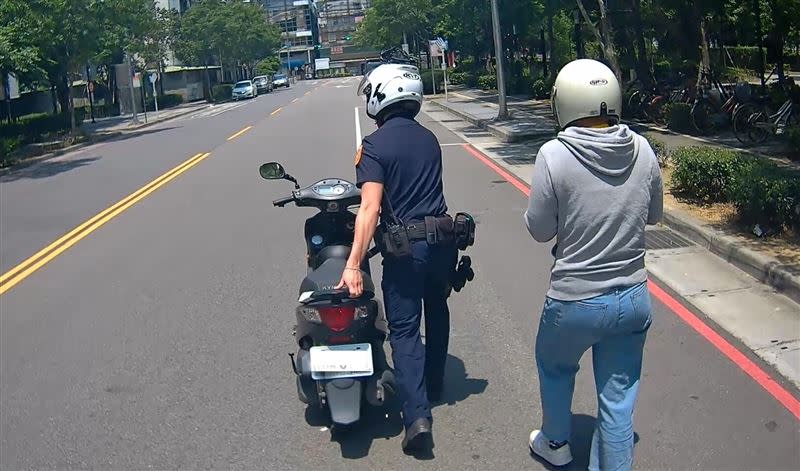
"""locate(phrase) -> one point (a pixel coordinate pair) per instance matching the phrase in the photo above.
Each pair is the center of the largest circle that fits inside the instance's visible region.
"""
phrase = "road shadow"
(581, 444)
(142, 132)
(458, 386)
(356, 440)
(386, 422)
(47, 169)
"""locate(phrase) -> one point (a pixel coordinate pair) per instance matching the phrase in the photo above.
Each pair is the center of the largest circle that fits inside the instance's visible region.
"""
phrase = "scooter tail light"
(337, 318)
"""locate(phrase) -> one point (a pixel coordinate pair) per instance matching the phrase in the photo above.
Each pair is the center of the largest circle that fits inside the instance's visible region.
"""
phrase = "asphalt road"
(160, 340)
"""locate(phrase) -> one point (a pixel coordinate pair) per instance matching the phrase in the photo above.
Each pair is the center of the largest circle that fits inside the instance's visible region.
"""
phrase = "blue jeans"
(614, 325)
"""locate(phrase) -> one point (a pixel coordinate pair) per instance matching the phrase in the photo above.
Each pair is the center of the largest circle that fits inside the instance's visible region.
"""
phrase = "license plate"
(341, 361)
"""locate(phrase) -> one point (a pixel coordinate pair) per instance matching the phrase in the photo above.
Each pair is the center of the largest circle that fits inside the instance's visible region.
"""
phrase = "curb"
(93, 139)
(498, 132)
(764, 268)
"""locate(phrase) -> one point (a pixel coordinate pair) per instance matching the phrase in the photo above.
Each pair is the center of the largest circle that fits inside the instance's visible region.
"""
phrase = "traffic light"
(348, 38)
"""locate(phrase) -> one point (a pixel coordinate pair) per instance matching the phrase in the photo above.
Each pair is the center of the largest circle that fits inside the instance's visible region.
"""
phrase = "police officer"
(399, 171)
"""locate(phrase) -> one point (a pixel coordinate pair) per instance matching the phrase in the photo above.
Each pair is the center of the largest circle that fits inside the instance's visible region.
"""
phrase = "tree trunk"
(604, 36)
(779, 37)
(54, 98)
(642, 64)
(705, 56)
(551, 41)
(70, 105)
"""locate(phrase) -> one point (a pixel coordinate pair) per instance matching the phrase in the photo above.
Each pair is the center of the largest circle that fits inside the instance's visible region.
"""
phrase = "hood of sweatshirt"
(610, 151)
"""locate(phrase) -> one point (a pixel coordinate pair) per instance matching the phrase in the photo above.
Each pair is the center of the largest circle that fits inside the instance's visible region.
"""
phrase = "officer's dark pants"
(406, 285)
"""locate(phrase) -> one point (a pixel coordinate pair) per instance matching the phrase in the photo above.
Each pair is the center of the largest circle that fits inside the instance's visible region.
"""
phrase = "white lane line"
(358, 128)
(452, 144)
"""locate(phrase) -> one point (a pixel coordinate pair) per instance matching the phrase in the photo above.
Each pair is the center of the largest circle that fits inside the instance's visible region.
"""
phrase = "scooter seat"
(322, 281)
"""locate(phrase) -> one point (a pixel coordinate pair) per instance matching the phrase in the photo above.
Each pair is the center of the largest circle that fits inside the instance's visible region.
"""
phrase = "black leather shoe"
(419, 436)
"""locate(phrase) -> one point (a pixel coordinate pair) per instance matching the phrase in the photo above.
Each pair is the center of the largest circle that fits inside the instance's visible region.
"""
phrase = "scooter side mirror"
(272, 171)
(275, 171)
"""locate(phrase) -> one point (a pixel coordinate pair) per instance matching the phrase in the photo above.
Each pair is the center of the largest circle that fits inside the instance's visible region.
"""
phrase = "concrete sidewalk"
(744, 302)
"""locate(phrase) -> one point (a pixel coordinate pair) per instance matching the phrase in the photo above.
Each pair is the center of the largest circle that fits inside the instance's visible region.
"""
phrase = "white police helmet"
(389, 84)
(585, 88)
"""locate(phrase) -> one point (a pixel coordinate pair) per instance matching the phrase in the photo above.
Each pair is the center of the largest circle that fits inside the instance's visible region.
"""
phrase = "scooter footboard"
(344, 399)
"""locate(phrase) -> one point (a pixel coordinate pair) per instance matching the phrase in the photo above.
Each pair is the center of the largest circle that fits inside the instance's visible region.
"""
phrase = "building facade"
(297, 22)
(338, 20)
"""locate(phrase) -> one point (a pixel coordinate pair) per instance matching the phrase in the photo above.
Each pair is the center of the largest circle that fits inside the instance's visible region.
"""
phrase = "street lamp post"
(498, 51)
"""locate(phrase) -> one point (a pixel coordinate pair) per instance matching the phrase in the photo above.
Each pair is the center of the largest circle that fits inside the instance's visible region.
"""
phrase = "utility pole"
(130, 87)
(498, 52)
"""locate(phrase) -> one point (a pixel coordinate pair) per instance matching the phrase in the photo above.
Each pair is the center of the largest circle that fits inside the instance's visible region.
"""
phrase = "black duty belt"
(433, 229)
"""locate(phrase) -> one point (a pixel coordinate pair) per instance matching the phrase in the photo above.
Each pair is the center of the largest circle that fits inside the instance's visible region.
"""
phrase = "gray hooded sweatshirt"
(594, 190)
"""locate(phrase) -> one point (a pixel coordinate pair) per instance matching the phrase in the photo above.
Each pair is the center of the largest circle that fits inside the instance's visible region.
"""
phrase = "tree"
(604, 34)
(386, 21)
(19, 54)
(65, 33)
(267, 66)
(232, 33)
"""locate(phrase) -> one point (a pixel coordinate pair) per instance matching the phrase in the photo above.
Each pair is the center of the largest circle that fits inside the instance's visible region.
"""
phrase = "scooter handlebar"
(281, 202)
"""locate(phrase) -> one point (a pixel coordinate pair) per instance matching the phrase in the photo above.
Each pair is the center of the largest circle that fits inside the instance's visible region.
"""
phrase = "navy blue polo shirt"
(406, 157)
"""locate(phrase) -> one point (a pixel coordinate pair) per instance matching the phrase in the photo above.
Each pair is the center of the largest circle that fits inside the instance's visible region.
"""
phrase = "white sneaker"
(540, 445)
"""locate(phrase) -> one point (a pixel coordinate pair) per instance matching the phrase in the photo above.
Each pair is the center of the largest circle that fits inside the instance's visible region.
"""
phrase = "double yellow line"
(40, 258)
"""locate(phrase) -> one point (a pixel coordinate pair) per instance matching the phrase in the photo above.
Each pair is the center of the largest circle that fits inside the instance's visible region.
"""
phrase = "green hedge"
(705, 173)
(427, 87)
(542, 88)
(458, 78)
(487, 82)
(7, 146)
(32, 127)
(762, 192)
(660, 149)
(679, 117)
(221, 92)
(792, 136)
(165, 101)
(768, 195)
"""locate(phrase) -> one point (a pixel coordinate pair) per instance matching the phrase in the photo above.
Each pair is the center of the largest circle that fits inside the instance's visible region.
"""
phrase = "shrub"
(221, 92)
(679, 117)
(705, 173)
(792, 136)
(165, 101)
(660, 149)
(426, 81)
(487, 82)
(7, 146)
(768, 195)
(458, 78)
(541, 88)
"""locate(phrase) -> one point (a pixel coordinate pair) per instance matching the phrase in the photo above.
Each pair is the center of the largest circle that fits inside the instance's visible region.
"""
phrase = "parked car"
(244, 89)
(263, 84)
(280, 80)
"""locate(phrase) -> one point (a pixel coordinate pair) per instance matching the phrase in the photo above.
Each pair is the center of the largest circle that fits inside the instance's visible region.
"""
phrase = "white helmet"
(388, 84)
(585, 88)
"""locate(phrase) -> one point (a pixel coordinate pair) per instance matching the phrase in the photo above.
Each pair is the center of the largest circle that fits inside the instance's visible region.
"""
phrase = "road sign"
(322, 64)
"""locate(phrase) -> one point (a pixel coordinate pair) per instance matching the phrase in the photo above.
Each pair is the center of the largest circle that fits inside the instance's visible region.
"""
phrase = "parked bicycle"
(714, 106)
(757, 124)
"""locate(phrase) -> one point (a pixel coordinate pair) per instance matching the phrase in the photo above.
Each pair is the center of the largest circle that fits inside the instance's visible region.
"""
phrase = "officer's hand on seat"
(351, 277)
